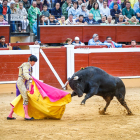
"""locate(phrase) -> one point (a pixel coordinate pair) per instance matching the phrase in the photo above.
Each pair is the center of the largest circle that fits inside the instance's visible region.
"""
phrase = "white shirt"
(100, 4)
(105, 11)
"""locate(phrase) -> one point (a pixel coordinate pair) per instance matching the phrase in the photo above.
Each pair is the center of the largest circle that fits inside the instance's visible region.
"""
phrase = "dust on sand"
(78, 122)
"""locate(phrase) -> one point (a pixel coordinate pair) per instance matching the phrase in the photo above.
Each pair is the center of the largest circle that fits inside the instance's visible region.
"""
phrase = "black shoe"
(29, 119)
(13, 118)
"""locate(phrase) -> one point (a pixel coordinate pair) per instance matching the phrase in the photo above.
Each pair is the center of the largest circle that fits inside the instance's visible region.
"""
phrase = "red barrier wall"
(59, 34)
(9, 66)
(4, 31)
(57, 57)
(117, 64)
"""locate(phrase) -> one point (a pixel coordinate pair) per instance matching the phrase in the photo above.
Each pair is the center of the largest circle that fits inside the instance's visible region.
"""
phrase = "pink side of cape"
(53, 93)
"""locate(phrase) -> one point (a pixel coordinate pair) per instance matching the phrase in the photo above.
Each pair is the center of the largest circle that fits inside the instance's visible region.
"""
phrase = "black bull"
(95, 81)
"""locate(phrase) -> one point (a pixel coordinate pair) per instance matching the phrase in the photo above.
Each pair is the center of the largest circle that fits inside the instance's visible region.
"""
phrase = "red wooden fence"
(59, 34)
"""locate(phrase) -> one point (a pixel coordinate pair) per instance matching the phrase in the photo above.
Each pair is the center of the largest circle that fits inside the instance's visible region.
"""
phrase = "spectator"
(112, 5)
(74, 11)
(62, 20)
(109, 20)
(95, 41)
(138, 13)
(128, 12)
(84, 11)
(113, 44)
(2, 21)
(45, 12)
(89, 4)
(133, 21)
(102, 20)
(39, 4)
(26, 5)
(105, 11)
(79, 4)
(4, 9)
(132, 2)
(37, 42)
(121, 20)
(41, 22)
(90, 19)
(95, 11)
(123, 5)
(100, 2)
(136, 6)
(16, 4)
(2, 42)
(16, 47)
(46, 2)
(32, 14)
(118, 1)
(115, 12)
(53, 2)
(52, 21)
(77, 42)
(81, 20)
(13, 11)
(22, 11)
(68, 41)
(133, 44)
(56, 11)
(70, 20)
(65, 8)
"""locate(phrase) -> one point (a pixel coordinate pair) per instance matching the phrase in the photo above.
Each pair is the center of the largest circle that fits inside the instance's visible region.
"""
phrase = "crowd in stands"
(70, 12)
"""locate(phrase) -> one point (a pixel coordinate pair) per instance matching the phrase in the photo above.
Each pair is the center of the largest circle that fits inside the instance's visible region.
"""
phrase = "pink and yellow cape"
(45, 101)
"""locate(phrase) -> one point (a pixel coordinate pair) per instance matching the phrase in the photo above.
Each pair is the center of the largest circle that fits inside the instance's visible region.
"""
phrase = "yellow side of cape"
(40, 108)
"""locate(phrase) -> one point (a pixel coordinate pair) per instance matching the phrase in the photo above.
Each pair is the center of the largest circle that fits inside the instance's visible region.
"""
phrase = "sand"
(79, 122)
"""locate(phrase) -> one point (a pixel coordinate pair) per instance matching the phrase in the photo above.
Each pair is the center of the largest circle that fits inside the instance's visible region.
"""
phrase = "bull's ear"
(76, 78)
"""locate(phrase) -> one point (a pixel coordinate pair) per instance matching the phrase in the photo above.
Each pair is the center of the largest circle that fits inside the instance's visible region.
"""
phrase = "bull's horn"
(76, 78)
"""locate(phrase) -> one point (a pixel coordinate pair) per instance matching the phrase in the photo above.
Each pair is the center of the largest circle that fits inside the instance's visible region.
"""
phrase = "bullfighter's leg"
(108, 100)
(123, 103)
(93, 91)
(73, 94)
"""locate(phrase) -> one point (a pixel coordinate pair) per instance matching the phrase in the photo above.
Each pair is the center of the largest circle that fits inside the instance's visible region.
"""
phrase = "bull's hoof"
(102, 112)
(130, 113)
(82, 103)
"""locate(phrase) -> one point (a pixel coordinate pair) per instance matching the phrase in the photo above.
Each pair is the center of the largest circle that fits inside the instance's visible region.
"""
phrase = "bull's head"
(78, 86)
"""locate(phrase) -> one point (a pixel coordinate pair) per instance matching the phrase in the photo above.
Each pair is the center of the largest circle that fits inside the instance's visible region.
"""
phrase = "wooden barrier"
(57, 57)
(59, 34)
(9, 66)
(4, 49)
(5, 31)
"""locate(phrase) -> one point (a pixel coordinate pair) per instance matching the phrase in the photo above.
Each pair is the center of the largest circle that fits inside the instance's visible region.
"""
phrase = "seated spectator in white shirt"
(113, 44)
(102, 20)
(133, 44)
(121, 20)
(81, 20)
(84, 11)
(100, 2)
(90, 19)
(105, 11)
(79, 4)
(22, 11)
(74, 11)
(70, 20)
(62, 21)
(109, 20)
(77, 42)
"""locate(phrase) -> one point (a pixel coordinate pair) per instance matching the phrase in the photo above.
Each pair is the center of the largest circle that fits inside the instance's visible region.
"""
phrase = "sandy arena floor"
(78, 122)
